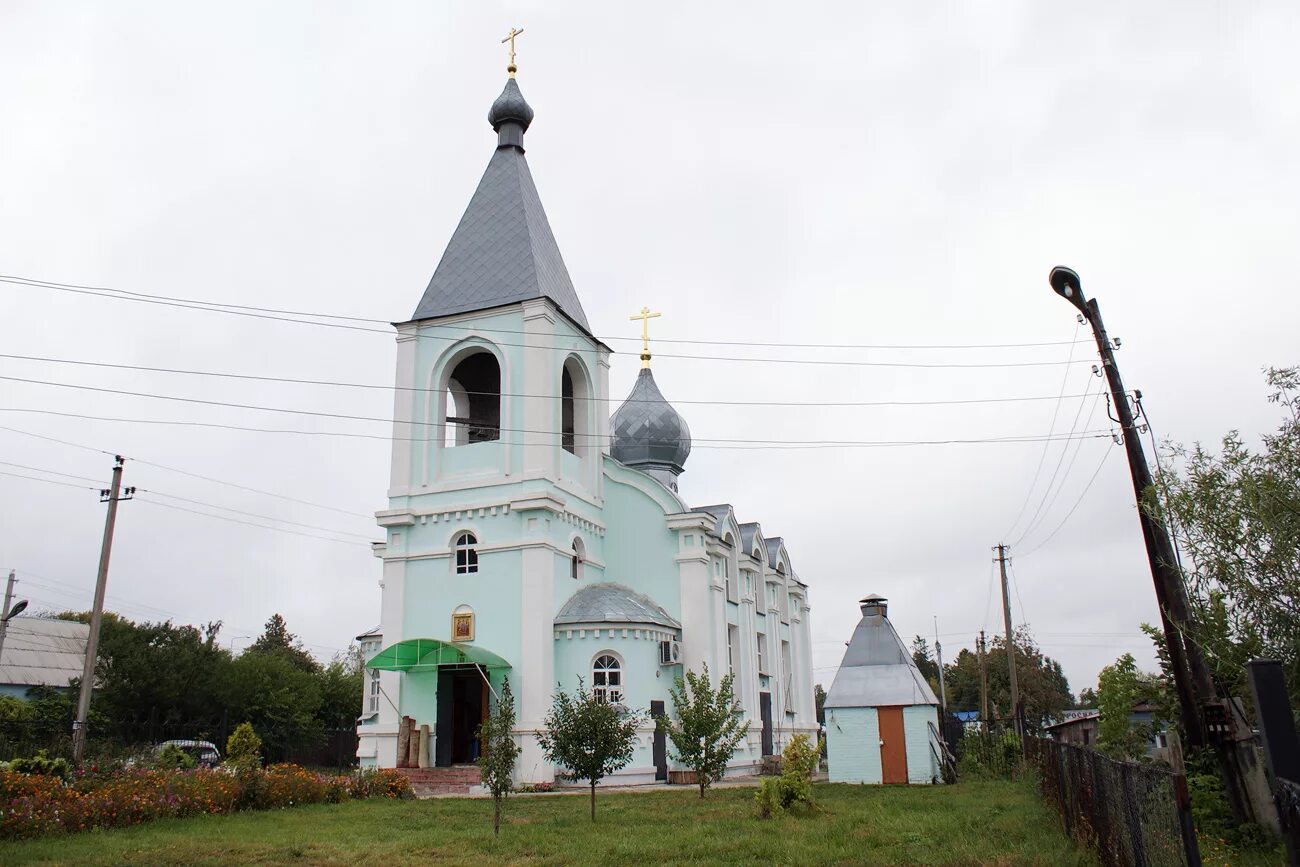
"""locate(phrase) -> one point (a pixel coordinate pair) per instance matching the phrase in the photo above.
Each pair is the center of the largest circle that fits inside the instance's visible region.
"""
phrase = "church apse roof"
(613, 603)
(503, 251)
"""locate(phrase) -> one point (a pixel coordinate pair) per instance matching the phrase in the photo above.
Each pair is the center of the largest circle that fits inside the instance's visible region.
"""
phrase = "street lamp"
(19, 607)
(1204, 721)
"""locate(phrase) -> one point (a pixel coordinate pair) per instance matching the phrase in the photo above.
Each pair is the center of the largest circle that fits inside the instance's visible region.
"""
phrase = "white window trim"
(604, 691)
(470, 567)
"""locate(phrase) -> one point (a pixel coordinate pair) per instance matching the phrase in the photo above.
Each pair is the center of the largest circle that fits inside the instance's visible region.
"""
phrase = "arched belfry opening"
(474, 400)
(575, 408)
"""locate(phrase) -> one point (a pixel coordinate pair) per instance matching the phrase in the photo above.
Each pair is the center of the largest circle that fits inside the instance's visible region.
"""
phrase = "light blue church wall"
(639, 550)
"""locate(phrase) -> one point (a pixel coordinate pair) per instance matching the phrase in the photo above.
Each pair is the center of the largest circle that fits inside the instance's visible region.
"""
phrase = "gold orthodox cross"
(645, 316)
(510, 37)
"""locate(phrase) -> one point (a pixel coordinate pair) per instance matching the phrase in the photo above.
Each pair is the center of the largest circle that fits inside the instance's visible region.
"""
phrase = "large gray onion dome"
(648, 434)
(510, 107)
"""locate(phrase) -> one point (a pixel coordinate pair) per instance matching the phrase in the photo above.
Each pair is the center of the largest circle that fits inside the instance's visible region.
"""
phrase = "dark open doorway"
(659, 750)
(765, 713)
(462, 707)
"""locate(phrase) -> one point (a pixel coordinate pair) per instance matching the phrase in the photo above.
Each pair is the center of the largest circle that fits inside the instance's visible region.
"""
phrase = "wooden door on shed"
(893, 745)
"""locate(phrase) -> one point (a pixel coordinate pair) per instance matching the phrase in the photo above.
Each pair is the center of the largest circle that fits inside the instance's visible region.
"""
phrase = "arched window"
(575, 409)
(474, 400)
(576, 558)
(466, 548)
(607, 678)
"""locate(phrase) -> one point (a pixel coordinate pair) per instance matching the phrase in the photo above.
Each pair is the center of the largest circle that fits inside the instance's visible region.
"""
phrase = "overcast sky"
(762, 173)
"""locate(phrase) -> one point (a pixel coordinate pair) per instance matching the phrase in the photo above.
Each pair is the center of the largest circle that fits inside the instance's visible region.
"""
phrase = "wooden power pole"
(112, 496)
(1011, 645)
(984, 681)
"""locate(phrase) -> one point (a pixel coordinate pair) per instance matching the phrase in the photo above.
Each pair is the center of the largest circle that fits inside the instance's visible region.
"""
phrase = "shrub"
(378, 783)
(244, 747)
(798, 764)
(768, 797)
(173, 758)
(42, 765)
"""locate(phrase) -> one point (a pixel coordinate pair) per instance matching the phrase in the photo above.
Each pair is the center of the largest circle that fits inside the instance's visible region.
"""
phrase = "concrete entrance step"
(458, 779)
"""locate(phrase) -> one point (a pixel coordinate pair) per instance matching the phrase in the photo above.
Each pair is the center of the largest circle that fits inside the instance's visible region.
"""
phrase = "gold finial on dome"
(645, 316)
(510, 37)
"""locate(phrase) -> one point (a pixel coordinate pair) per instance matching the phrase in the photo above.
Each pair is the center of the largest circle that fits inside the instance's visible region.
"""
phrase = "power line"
(254, 514)
(420, 390)
(1033, 483)
(169, 468)
(235, 309)
(550, 437)
(1039, 510)
(53, 472)
(48, 481)
(1047, 510)
(252, 524)
(440, 424)
(1066, 519)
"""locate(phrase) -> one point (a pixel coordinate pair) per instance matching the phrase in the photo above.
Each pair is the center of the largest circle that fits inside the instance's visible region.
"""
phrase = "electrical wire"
(1039, 512)
(593, 399)
(223, 307)
(1033, 483)
(1082, 494)
(55, 473)
(551, 437)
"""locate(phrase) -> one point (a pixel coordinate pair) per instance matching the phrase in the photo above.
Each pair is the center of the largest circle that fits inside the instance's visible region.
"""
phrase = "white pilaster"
(534, 672)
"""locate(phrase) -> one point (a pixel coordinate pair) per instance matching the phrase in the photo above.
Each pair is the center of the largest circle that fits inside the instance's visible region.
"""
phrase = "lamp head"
(19, 607)
(1066, 283)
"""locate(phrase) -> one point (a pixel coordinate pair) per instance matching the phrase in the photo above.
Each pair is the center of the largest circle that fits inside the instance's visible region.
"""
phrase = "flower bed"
(33, 805)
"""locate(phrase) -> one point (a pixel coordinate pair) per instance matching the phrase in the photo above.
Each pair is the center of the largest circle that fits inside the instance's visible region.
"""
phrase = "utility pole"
(1205, 717)
(111, 496)
(938, 652)
(984, 681)
(1011, 646)
(4, 613)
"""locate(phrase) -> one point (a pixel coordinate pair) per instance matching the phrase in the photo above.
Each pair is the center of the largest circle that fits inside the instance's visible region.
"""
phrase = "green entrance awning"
(430, 654)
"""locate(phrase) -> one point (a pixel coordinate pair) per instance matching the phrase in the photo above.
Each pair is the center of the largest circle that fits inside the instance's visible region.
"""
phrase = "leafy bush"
(38, 804)
(244, 747)
(799, 762)
(173, 758)
(42, 765)
(991, 754)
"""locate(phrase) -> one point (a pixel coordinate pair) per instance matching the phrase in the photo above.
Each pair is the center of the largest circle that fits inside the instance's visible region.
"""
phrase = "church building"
(533, 536)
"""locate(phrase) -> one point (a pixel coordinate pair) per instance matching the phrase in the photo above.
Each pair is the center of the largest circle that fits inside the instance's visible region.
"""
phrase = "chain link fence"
(1131, 815)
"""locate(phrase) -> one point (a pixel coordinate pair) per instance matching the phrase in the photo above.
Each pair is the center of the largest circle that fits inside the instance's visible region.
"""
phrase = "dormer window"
(466, 549)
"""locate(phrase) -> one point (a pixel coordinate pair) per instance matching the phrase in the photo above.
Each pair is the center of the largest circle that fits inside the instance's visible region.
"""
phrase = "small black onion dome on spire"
(647, 433)
(510, 107)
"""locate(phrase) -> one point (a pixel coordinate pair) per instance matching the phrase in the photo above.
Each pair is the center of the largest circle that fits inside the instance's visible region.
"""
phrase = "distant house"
(40, 651)
(882, 717)
(1080, 728)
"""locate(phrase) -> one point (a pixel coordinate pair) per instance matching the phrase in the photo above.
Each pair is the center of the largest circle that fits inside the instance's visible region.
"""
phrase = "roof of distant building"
(40, 651)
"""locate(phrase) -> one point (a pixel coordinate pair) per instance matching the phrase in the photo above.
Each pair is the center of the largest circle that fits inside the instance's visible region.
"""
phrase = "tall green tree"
(925, 662)
(277, 640)
(709, 725)
(496, 765)
(1235, 514)
(1044, 689)
(588, 736)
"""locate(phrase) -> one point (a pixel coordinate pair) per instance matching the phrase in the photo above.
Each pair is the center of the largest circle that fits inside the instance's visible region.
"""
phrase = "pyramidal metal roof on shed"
(877, 670)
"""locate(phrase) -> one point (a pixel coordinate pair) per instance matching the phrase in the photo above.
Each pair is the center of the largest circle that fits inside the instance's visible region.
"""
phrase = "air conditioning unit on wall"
(670, 653)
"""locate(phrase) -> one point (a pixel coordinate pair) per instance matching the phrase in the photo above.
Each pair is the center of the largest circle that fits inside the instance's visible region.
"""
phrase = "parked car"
(204, 752)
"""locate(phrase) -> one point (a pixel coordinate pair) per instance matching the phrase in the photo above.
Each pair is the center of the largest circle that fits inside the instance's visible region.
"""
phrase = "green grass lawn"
(993, 822)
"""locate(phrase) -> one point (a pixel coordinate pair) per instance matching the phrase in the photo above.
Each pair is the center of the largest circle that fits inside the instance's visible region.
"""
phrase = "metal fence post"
(1281, 746)
(1186, 828)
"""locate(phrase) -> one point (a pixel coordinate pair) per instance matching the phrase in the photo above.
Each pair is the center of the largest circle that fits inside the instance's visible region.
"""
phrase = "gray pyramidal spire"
(503, 251)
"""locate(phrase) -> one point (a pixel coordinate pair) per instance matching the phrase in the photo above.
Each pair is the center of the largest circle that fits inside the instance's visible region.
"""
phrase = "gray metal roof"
(719, 512)
(747, 532)
(43, 652)
(503, 251)
(877, 670)
(774, 551)
(646, 430)
(613, 603)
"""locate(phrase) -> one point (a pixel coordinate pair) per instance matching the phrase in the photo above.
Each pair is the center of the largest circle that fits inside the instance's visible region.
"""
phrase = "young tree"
(277, 640)
(708, 727)
(1236, 518)
(589, 736)
(1118, 688)
(497, 763)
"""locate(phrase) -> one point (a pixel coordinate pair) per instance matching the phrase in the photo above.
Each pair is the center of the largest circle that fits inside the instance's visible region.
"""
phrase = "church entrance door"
(765, 713)
(893, 746)
(462, 707)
